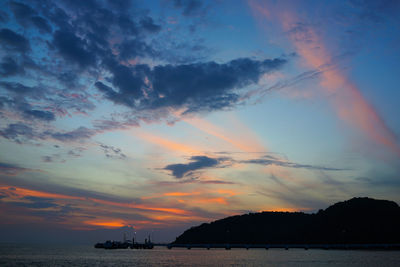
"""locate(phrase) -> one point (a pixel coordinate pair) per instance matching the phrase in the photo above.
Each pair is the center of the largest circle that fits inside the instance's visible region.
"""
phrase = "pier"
(291, 246)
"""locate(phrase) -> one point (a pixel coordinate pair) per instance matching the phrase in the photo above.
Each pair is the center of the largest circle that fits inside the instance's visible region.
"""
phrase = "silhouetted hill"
(358, 220)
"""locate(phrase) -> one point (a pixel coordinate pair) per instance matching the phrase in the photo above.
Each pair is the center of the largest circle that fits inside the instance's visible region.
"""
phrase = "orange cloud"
(227, 192)
(245, 142)
(219, 200)
(180, 194)
(141, 206)
(106, 224)
(168, 144)
(18, 192)
(22, 192)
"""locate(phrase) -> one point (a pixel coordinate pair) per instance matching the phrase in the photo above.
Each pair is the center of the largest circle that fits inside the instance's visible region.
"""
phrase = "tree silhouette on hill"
(355, 221)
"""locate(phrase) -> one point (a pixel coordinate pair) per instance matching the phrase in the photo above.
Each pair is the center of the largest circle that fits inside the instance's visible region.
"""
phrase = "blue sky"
(160, 115)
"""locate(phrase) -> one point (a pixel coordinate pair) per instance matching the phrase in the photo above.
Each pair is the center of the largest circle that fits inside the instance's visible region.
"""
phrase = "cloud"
(272, 161)
(112, 152)
(40, 114)
(37, 203)
(197, 162)
(347, 99)
(200, 162)
(286, 83)
(21, 11)
(375, 12)
(41, 24)
(61, 157)
(12, 41)
(10, 67)
(11, 169)
(26, 17)
(189, 7)
(73, 48)
(148, 24)
(18, 88)
(194, 87)
(100, 42)
(74, 135)
(16, 130)
(49, 159)
(21, 133)
(19, 100)
(3, 16)
(135, 47)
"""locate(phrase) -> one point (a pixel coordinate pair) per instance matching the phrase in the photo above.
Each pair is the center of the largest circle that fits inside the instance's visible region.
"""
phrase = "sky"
(149, 117)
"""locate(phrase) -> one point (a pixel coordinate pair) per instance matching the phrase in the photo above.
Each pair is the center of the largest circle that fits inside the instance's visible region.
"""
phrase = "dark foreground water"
(17, 255)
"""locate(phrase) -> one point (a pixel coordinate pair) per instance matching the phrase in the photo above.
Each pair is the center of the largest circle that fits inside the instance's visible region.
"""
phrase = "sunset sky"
(161, 115)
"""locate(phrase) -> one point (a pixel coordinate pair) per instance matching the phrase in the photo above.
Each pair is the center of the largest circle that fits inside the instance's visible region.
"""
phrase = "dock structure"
(126, 244)
(291, 246)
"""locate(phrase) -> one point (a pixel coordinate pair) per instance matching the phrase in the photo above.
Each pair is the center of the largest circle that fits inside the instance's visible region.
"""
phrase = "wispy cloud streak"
(350, 105)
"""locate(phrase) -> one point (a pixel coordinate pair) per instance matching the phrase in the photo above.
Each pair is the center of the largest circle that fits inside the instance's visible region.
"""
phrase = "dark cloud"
(74, 135)
(16, 131)
(73, 48)
(201, 162)
(93, 39)
(57, 213)
(41, 24)
(195, 87)
(122, 5)
(10, 67)
(26, 16)
(189, 7)
(112, 152)
(62, 157)
(40, 114)
(37, 203)
(48, 159)
(3, 16)
(12, 41)
(21, 11)
(11, 169)
(18, 103)
(76, 152)
(206, 86)
(277, 162)
(17, 88)
(376, 11)
(112, 124)
(132, 48)
(148, 24)
(197, 162)
(21, 133)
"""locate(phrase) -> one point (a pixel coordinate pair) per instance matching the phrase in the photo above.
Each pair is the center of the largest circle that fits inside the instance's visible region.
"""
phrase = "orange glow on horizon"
(281, 210)
(107, 224)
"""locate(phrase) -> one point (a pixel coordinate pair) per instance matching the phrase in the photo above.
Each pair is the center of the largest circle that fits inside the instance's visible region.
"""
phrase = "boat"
(126, 244)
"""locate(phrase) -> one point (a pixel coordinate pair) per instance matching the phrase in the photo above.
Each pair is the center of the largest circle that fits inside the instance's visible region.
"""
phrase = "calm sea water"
(18, 255)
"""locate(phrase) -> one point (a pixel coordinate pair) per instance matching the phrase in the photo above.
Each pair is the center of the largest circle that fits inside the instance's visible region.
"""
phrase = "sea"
(46, 255)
